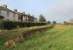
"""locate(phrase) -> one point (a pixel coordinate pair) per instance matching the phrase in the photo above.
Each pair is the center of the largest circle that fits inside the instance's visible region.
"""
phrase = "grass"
(58, 38)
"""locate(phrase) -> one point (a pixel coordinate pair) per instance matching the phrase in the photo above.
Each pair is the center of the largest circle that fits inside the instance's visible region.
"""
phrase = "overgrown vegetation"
(11, 34)
(58, 38)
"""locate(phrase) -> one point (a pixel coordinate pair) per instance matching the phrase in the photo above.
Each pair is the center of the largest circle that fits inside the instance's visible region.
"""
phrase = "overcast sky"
(58, 10)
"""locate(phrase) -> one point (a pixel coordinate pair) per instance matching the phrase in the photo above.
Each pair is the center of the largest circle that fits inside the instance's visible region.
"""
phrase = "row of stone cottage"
(15, 15)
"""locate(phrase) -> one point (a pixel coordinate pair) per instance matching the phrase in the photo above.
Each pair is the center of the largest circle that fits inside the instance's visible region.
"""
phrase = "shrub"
(11, 25)
(7, 25)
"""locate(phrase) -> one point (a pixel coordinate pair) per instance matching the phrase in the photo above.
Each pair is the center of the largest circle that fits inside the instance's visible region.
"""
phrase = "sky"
(52, 10)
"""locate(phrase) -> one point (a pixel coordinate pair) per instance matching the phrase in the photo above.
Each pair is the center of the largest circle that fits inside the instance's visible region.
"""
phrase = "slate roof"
(3, 8)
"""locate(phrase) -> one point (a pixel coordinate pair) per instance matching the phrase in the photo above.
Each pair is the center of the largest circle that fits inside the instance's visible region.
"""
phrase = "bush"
(8, 25)
(11, 25)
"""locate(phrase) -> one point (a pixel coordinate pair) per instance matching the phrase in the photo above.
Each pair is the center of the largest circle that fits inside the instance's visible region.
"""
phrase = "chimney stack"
(4, 5)
(15, 10)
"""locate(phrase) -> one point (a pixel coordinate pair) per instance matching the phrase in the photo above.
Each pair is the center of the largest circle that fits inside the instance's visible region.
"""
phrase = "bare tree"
(42, 18)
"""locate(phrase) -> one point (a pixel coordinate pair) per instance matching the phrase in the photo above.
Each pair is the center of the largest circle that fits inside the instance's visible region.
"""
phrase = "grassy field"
(58, 38)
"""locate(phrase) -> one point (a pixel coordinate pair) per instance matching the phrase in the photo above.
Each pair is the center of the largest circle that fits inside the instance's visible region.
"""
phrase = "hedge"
(4, 24)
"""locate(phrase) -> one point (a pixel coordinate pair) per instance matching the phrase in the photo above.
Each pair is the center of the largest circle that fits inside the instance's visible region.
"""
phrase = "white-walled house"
(26, 18)
(8, 14)
(15, 15)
